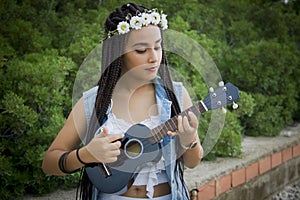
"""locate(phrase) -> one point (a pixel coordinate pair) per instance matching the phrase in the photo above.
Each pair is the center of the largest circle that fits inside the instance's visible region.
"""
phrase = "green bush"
(270, 71)
(34, 95)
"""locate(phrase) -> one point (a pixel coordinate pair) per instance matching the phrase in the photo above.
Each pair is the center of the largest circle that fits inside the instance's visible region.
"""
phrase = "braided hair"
(112, 51)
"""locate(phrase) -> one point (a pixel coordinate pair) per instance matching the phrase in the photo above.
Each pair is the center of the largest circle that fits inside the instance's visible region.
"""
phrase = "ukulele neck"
(160, 131)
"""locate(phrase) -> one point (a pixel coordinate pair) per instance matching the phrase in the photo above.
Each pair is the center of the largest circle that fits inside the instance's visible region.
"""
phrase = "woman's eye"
(140, 51)
(157, 48)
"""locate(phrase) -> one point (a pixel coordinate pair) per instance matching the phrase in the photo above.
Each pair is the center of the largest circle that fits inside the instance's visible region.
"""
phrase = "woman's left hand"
(187, 129)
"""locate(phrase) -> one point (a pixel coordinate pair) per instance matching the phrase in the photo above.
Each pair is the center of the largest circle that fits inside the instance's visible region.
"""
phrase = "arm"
(100, 149)
(67, 139)
(193, 156)
(188, 133)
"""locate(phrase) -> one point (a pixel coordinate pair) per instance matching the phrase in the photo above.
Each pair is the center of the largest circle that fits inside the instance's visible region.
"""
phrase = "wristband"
(190, 146)
(77, 155)
(61, 163)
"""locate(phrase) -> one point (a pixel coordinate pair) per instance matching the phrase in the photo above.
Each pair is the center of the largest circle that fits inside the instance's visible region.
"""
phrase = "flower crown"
(141, 19)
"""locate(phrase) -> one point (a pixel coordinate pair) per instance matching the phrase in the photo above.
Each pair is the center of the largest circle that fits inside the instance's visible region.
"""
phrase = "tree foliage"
(255, 45)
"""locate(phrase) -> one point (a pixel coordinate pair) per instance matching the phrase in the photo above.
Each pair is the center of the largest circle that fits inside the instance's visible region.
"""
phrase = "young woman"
(135, 87)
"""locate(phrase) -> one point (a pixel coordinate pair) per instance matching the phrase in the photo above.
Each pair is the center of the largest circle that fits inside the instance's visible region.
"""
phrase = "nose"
(153, 56)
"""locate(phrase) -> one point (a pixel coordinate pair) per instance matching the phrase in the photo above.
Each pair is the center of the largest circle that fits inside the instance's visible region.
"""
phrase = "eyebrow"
(145, 44)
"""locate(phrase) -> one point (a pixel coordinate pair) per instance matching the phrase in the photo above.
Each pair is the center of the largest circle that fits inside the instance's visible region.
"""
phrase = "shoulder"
(179, 93)
(178, 86)
(178, 89)
(89, 98)
(90, 93)
(182, 95)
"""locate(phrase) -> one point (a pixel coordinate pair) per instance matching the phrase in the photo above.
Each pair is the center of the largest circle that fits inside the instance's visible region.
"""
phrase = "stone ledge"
(260, 155)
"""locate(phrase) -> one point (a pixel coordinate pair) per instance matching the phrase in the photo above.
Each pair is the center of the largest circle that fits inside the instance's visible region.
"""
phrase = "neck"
(132, 85)
(127, 90)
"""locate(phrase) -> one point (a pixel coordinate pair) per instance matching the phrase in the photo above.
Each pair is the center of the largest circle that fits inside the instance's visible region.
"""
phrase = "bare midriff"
(141, 192)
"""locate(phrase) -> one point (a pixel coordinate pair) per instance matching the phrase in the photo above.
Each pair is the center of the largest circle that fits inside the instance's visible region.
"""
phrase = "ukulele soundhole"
(133, 148)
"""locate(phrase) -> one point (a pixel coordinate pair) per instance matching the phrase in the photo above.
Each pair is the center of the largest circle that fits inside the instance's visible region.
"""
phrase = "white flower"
(146, 19)
(136, 22)
(164, 25)
(163, 17)
(155, 18)
(123, 27)
(164, 22)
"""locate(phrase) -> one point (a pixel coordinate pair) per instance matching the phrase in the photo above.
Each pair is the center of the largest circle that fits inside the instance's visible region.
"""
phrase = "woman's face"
(143, 53)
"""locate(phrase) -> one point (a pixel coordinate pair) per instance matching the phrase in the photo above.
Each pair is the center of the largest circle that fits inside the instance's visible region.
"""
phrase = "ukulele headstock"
(222, 96)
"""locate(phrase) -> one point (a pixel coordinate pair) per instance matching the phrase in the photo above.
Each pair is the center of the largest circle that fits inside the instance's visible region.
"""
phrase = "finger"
(179, 125)
(172, 133)
(117, 144)
(112, 156)
(103, 133)
(193, 120)
(115, 137)
(113, 146)
(114, 153)
(186, 124)
(111, 159)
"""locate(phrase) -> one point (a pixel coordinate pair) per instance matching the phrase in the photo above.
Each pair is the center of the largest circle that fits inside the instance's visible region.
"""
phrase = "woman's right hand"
(103, 148)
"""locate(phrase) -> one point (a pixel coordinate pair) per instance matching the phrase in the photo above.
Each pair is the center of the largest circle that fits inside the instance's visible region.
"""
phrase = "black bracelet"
(61, 163)
(77, 155)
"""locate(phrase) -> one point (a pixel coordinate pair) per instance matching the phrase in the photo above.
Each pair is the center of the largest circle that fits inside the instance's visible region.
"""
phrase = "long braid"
(168, 85)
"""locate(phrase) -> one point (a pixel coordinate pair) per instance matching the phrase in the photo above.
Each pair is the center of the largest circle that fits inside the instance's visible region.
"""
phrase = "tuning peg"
(224, 110)
(235, 105)
(221, 83)
(211, 89)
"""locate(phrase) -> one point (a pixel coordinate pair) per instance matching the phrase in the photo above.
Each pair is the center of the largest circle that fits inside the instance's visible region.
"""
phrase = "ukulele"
(141, 145)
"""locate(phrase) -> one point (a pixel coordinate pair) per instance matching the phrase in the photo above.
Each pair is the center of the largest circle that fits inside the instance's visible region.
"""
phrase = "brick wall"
(240, 176)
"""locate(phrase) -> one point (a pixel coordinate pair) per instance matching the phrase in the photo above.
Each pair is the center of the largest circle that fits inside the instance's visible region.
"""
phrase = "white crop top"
(149, 174)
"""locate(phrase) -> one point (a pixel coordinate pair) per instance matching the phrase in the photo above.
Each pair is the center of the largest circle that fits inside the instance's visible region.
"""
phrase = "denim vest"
(178, 187)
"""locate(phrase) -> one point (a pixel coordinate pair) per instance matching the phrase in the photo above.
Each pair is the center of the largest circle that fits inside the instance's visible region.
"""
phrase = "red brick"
(276, 159)
(296, 150)
(207, 191)
(238, 177)
(251, 171)
(223, 184)
(264, 165)
(287, 154)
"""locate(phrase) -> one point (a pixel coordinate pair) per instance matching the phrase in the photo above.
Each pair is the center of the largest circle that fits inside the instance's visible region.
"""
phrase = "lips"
(151, 69)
